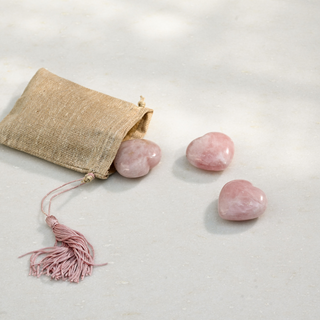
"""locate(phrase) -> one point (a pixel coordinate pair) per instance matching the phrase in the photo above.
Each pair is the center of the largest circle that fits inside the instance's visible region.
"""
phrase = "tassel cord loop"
(88, 178)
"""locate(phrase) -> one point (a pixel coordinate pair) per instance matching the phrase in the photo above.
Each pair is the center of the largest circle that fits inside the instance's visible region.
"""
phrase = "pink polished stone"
(135, 158)
(213, 151)
(240, 200)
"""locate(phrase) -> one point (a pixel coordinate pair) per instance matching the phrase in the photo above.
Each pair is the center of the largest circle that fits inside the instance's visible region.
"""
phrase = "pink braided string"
(44, 198)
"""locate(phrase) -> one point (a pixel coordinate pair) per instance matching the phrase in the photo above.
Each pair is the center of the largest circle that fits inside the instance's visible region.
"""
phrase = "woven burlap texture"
(72, 126)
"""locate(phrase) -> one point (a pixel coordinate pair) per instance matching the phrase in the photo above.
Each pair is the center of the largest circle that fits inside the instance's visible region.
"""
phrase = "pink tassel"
(72, 256)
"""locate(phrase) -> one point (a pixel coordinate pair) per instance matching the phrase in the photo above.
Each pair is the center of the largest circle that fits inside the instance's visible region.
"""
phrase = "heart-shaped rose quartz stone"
(240, 200)
(213, 151)
(135, 158)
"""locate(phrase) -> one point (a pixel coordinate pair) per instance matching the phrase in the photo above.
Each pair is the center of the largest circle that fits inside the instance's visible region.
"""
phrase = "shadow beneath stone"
(117, 183)
(183, 170)
(217, 225)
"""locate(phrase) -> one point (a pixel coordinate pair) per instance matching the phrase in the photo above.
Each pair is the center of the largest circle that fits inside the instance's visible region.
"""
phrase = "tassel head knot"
(51, 221)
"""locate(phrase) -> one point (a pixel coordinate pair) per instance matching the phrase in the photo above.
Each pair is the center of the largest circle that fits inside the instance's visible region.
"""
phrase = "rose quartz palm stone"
(135, 158)
(213, 151)
(240, 200)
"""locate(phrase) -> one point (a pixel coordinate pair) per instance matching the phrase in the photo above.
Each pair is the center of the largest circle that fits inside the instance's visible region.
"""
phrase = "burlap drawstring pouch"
(77, 128)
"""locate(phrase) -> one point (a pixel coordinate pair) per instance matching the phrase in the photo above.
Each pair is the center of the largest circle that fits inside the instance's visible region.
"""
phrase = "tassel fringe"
(70, 259)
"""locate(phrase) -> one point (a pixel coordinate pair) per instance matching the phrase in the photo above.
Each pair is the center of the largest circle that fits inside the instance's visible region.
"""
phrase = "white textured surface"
(249, 69)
